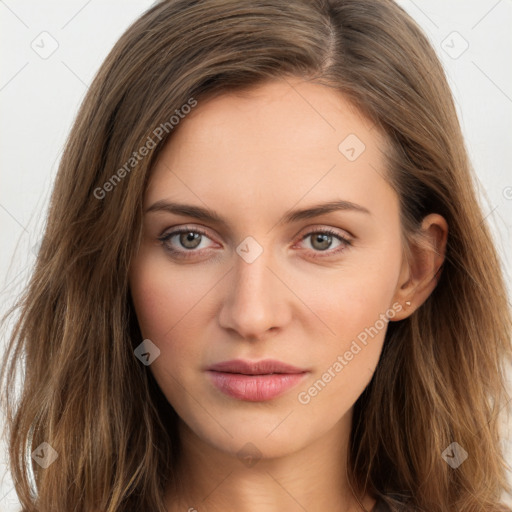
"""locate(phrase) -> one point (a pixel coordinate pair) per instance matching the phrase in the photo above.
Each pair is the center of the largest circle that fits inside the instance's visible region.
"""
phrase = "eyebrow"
(290, 216)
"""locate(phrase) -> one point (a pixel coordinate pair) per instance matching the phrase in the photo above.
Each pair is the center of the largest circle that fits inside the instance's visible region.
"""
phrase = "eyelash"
(191, 253)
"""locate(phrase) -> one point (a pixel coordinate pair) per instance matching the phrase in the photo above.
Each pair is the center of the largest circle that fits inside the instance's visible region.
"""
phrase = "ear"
(421, 267)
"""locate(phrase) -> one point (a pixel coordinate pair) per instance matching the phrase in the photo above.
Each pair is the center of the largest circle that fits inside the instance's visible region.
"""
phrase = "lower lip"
(255, 388)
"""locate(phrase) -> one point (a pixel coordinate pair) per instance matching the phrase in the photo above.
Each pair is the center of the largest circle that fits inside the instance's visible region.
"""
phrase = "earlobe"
(422, 268)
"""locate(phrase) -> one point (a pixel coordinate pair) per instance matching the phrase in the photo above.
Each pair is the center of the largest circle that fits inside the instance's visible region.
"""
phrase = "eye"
(184, 242)
(321, 241)
(188, 242)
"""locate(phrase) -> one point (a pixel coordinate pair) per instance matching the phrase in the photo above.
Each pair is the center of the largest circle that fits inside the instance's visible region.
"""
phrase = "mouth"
(257, 381)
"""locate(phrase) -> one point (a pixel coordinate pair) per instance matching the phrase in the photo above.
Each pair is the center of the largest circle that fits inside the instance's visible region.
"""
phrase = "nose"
(255, 300)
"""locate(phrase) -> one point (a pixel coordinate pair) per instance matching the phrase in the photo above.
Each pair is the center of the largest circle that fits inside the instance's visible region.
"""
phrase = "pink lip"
(255, 381)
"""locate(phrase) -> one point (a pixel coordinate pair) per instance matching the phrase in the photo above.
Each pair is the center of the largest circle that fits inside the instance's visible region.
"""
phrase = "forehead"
(272, 145)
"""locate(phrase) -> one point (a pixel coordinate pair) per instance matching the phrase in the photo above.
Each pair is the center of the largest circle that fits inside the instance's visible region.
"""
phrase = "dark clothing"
(380, 506)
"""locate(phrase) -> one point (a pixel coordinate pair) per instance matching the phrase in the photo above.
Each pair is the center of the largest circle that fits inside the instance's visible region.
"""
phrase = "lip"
(255, 381)
(263, 367)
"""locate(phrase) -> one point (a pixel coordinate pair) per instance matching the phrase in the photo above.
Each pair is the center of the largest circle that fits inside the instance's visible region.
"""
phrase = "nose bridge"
(254, 302)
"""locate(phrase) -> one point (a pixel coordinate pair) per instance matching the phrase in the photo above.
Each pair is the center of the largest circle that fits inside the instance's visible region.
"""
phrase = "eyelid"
(322, 228)
(170, 232)
(309, 231)
(345, 242)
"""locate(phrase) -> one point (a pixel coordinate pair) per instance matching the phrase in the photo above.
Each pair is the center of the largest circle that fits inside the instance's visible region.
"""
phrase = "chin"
(257, 433)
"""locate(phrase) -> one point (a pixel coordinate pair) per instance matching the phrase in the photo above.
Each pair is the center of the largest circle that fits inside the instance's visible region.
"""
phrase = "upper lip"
(264, 367)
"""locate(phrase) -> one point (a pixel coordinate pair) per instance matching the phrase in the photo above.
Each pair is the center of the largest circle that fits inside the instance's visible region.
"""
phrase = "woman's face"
(274, 275)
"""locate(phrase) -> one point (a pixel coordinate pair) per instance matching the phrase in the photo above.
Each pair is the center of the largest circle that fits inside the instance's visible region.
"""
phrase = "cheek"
(358, 296)
(163, 297)
(354, 305)
(346, 362)
(172, 303)
(359, 307)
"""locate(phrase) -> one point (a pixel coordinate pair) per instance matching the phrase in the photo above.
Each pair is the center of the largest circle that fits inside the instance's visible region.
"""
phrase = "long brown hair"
(440, 378)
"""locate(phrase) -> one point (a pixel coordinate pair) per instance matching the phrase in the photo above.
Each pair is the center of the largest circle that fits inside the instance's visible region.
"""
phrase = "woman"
(265, 282)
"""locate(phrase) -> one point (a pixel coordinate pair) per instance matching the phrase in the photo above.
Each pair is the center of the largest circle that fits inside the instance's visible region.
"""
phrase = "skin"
(251, 158)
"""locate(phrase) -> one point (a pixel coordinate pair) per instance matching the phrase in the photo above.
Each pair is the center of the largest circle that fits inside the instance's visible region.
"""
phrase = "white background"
(39, 98)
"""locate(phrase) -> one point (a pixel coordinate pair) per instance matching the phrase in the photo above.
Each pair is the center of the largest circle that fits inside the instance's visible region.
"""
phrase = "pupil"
(190, 240)
(324, 240)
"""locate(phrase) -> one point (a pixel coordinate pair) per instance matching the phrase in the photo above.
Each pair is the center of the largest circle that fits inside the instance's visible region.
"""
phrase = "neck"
(310, 479)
